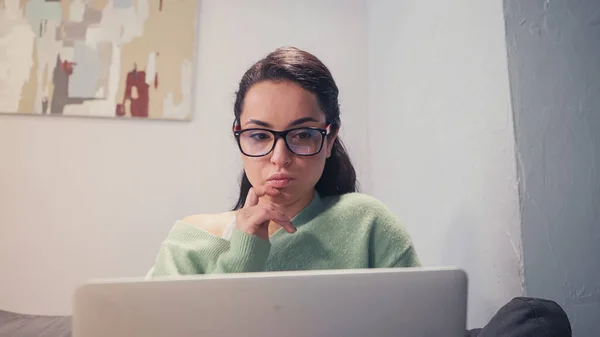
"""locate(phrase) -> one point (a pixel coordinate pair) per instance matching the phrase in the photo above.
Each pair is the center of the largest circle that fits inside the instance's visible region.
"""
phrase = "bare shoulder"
(212, 223)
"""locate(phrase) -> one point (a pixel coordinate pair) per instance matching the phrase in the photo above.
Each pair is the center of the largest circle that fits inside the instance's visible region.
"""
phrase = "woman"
(298, 208)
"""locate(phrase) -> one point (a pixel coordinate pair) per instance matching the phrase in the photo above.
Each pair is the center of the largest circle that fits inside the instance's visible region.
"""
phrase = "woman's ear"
(331, 138)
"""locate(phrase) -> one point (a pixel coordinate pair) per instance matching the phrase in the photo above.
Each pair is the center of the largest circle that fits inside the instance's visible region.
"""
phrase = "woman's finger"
(251, 198)
(271, 191)
(261, 191)
(288, 226)
(263, 216)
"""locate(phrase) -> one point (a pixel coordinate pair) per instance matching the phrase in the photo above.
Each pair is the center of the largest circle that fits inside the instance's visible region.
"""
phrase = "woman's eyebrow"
(294, 123)
(302, 121)
(259, 123)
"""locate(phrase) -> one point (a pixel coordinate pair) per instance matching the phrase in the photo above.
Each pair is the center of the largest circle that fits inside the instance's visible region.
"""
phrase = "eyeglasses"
(257, 142)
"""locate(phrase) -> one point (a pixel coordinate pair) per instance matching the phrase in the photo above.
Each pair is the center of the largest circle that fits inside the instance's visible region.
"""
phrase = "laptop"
(395, 302)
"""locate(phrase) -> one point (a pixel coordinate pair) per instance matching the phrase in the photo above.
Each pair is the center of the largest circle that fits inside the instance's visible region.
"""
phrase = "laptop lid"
(368, 302)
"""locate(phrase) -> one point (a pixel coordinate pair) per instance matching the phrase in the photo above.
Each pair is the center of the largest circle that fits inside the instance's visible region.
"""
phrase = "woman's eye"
(260, 136)
(303, 135)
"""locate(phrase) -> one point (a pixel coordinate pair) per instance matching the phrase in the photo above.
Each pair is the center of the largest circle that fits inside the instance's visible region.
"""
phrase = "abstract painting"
(98, 58)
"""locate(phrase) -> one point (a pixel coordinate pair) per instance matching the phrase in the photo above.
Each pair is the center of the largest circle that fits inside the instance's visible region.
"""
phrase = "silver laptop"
(397, 302)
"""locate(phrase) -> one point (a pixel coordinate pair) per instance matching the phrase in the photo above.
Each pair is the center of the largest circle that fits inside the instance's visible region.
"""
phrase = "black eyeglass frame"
(282, 134)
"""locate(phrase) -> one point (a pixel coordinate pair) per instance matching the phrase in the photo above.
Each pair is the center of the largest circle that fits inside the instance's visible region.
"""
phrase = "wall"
(86, 198)
(441, 139)
(554, 62)
(83, 198)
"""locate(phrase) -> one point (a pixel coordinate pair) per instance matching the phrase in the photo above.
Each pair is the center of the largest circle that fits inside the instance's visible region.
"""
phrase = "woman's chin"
(286, 196)
(282, 196)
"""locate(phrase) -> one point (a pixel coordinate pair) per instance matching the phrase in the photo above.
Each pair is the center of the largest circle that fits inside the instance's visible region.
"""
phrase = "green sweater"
(342, 232)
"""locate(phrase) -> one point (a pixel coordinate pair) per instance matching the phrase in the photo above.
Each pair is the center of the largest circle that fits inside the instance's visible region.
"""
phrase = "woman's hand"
(254, 218)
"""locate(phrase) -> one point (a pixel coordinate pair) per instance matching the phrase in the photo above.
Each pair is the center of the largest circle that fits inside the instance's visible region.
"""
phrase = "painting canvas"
(100, 58)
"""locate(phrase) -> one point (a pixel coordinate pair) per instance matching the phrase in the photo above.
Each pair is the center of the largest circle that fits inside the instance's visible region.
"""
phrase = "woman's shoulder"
(214, 223)
(388, 236)
(365, 208)
(358, 202)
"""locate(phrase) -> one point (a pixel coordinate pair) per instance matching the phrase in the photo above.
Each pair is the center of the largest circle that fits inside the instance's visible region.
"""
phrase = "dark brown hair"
(306, 70)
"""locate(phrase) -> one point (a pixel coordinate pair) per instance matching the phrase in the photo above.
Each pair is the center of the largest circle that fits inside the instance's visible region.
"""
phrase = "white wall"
(83, 198)
(441, 139)
(86, 198)
(554, 58)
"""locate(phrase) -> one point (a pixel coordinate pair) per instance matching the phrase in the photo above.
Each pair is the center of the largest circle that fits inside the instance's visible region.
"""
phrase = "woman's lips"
(279, 180)
(278, 183)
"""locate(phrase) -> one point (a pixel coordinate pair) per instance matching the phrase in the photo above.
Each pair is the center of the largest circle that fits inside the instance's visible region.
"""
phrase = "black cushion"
(527, 317)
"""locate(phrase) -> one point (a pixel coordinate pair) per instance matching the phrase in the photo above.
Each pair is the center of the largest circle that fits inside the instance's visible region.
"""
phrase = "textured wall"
(441, 139)
(554, 62)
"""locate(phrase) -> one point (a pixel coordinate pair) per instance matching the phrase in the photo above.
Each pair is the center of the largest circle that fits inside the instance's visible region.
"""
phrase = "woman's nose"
(281, 155)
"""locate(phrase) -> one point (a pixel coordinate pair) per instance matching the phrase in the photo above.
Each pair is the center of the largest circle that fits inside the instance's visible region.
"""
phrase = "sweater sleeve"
(394, 249)
(190, 250)
(391, 244)
(408, 258)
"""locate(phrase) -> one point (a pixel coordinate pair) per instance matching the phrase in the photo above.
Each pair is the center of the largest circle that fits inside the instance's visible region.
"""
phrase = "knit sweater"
(350, 231)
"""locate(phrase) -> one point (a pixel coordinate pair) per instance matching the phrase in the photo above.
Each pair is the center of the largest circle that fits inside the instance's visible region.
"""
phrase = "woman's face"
(281, 106)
